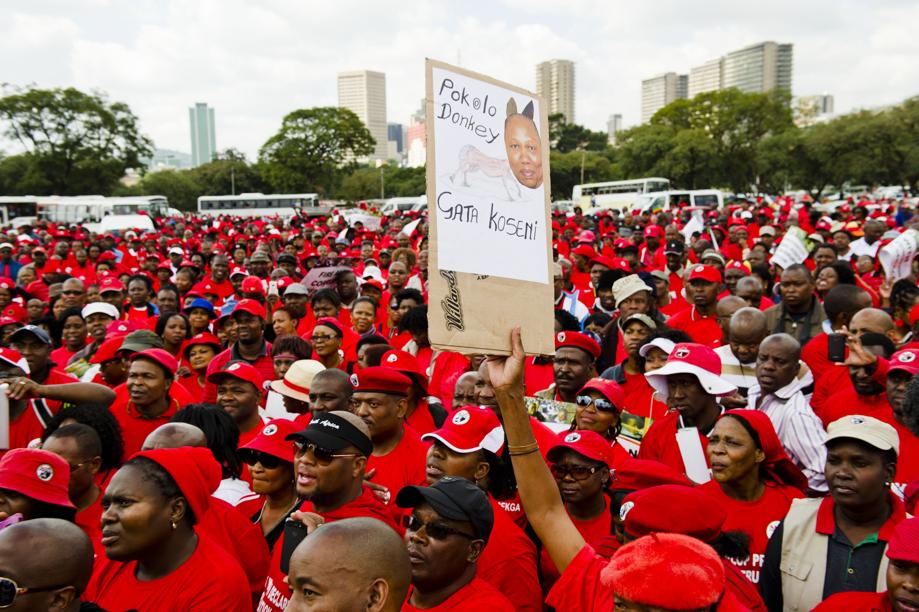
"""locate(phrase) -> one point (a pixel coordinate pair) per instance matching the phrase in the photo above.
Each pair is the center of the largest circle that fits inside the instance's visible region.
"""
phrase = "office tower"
(707, 77)
(555, 84)
(657, 92)
(759, 68)
(364, 93)
(613, 127)
(810, 110)
(203, 137)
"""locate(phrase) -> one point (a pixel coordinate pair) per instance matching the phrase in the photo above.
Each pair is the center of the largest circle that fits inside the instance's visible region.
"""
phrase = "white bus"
(261, 205)
(18, 210)
(668, 200)
(616, 194)
(100, 214)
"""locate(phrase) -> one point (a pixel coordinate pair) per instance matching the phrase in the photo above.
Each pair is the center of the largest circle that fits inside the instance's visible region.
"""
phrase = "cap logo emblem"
(681, 353)
(857, 420)
(233, 367)
(699, 269)
(573, 437)
(561, 336)
(770, 528)
(907, 358)
(461, 417)
(354, 381)
(270, 430)
(391, 359)
(625, 509)
(44, 472)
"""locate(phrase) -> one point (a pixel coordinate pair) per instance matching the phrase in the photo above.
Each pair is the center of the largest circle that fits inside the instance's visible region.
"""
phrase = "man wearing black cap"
(330, 460)
(675, 255)
(446, 532)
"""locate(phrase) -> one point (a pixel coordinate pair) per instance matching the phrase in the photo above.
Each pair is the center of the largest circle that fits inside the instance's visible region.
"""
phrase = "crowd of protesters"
(237, 414)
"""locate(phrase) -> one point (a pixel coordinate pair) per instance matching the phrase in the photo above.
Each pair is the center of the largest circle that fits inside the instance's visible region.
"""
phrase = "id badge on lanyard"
(687, 438)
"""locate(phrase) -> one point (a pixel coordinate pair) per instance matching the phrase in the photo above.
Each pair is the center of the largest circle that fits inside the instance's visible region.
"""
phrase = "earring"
(173, 525)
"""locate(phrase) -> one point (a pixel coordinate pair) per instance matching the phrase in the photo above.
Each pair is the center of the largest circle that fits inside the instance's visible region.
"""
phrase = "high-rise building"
(657, 92)
(759, 68)
(809, 110)
(613, 127)
(364, 93)
(555, 84)
(416, 139)
(395, 133)
(203, 135)
(707, 77)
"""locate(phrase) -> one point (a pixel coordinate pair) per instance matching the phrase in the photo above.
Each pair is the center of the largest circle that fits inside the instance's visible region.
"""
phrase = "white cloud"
(254, 61)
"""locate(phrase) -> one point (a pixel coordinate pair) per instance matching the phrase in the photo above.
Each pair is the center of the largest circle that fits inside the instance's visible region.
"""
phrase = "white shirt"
(797, 427)
(861, 247)
(743, 375)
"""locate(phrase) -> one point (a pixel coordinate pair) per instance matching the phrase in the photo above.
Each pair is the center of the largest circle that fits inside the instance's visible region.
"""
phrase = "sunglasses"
(269, 462)
(9, 591)
(603, 405)
(435, 531)
(323, 456)
(578, 472)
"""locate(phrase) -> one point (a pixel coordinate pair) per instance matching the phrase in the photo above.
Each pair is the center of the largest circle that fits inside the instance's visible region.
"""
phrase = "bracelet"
(518, 454)
(522, 449)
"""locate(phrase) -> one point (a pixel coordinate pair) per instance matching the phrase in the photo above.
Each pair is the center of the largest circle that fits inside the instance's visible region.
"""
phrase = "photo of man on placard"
(524, 149)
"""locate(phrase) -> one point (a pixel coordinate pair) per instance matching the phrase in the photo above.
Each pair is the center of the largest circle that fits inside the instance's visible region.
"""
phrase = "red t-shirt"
(537, 376)
(758, 519)
(447, 366)
(276, 593)
(476, 595)
(591, 530)
(90, 521)
(848, 402)
(702, 329)
(833, 380)
(660, 443)
(508, 563)
(403, 465)
(209, 580)
(28, 426)
(420, 419)
(855, 601)
(816, 355)
(239, 537)
(263, 363)
(579, 589)
(135, 428)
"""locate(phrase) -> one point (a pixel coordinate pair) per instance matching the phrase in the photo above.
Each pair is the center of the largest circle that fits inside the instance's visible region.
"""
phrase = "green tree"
(565, 170)
(565, 137)
(229, 173)
(77, 142)
(314, 149)
(179, 187)
(364, 183)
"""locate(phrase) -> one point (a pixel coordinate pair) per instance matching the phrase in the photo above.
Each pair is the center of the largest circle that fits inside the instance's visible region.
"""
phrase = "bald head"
(784, 342)
(746, 330)
(873, 320)
(175, 435)
(354, 564)
(750, 290)
(729, 305)
(59, 553)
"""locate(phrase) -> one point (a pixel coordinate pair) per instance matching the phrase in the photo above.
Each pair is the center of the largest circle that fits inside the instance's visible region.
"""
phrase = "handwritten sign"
(488, 201)
(897, 256)
(322, 278)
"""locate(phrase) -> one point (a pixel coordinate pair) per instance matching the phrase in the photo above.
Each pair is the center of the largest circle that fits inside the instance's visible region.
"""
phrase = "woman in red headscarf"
(754, 480)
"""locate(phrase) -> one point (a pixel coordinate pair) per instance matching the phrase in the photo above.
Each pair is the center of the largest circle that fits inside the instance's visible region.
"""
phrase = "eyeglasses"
(9, 591)
(578, 472)
(603, 405)
(323, 456)
(325, 338)
(269, 462)
(435, 531)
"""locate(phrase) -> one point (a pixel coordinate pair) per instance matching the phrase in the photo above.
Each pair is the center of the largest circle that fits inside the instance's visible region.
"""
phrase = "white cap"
(176, 250)
(6, 245)
(99, 308)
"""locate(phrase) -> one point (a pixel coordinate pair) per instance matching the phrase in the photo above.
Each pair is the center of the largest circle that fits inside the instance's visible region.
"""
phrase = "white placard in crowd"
(322, 278)
(897, 256)
(410, 228)
(491, 169)
(792, 249)
(692, 226)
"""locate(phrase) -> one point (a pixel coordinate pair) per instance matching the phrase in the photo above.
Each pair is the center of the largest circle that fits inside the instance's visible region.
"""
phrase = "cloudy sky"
(256, 60)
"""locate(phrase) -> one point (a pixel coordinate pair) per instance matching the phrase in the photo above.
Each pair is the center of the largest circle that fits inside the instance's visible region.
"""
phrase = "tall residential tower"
(203, 136)
(364, 93)
(555, 83)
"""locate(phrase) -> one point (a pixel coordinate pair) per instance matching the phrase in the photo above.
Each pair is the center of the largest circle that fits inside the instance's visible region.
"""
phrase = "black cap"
(334, 433)
(453, 498)
(675, 246)
(34, 330)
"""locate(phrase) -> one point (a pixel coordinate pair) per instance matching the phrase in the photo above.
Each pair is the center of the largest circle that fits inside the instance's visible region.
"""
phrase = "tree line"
(76, 142)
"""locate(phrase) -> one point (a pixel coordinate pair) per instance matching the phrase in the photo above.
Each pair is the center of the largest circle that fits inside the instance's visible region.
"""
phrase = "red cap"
(252, 284)
(14, 358)
(692, 571)
(108, 350)
(7, 283)
(469, 429)
(585, 250)
(253, 307)
(120, 328)
(378, 379)
(637, 474)
(587, 443)
(110, 283)
(905, 360)
(406, 363)
(37, 474)
(904, 544)
(691, 358)
(271, 440)
(16, 312)
(159, 356)
(651, 511)
(738, 265)
(241, 371)
(608, 388)
(604, 261)
(654, 231)
(205, 286)
(194, 470)
(577, 340)
(706, 273)
(203, 338)
(372, 282)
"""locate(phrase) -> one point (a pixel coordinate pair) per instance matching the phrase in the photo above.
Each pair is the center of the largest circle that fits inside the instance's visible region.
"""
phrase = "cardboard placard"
(322, 278)
(897, 256)
(488, 202)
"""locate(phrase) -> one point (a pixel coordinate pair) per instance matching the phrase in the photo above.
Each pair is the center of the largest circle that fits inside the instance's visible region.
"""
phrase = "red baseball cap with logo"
(585, 251)
(252, 284)
(110, 283)
(271, 440)
(905, 360)
(584, 442)
(38, 474)
(577, 340)
(469, 429)
(654, 231)
(160, 356)
(609, 389)
(252, 307)
(406, 363)
(738, 265)
(709, 274)
(691, 358)
(241, 371)
(377, 379)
